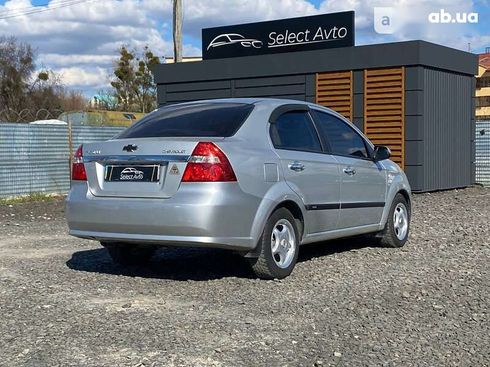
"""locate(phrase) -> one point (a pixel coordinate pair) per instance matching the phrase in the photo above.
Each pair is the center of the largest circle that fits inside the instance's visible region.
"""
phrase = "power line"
(29, 7)
(39, 9)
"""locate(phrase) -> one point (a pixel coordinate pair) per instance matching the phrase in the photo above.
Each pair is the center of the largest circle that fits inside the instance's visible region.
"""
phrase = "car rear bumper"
(200, 214)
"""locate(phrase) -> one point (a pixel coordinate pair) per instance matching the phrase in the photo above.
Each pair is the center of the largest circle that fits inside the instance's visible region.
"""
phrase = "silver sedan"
(257, 176)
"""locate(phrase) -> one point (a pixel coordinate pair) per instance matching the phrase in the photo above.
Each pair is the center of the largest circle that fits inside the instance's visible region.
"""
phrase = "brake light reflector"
(208, 163)
(77, 168)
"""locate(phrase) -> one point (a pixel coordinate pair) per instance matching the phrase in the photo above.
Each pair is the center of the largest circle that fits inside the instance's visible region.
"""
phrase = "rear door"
(149, 158)
(311, 173)
(363, 181)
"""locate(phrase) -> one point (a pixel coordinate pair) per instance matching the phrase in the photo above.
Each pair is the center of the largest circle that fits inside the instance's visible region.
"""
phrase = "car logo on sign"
(130, 173)
(130, 148)
(233, 39)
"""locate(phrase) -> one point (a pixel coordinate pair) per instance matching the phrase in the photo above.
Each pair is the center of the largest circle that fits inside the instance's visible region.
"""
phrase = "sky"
(79, 38)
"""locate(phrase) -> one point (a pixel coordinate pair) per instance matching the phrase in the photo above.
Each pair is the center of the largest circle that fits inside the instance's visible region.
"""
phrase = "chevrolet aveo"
(257, 176)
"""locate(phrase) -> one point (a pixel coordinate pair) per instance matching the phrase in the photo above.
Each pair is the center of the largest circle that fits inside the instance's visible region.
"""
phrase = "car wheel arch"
(398, 187)
(406, 195)
(275, 199)
(295, 210)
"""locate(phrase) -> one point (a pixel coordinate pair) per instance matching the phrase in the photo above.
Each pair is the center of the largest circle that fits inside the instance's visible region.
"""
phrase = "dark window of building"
(294, 130)
(196, 119)
(342, 138)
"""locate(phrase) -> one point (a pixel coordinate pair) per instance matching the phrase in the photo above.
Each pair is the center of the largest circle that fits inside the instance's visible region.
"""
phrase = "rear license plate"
(145, 173)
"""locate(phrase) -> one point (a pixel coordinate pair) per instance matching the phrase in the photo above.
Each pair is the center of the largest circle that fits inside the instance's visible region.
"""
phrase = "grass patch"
(36, 196)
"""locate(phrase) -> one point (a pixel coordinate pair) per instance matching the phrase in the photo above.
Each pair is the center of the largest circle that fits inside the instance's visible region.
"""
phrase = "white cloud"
(413, 18)
(231, 11)
(200, 14)
(58, 60)
(82, 40)
(77, 77)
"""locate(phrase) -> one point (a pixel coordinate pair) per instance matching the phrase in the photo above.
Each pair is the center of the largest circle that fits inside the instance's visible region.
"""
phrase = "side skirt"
(339, 233)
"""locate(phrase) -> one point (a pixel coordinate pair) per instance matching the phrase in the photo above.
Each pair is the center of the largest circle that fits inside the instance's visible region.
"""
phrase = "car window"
(294, 130)
(188, 120)
(342, 138)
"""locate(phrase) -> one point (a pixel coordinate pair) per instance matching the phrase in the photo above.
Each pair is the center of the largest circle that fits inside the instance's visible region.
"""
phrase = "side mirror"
(381, 153)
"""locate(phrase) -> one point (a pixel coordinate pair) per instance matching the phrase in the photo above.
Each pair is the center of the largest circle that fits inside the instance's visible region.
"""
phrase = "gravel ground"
(63, 303)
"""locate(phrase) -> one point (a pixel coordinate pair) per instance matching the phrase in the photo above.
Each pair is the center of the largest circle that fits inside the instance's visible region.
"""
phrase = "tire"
(281, 233)
(396, 231)
(128, 254)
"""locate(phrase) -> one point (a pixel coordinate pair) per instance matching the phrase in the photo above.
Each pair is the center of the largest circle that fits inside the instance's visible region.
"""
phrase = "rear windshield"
(197, 119)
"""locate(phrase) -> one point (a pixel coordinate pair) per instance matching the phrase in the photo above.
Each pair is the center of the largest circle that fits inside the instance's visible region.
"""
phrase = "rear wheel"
(397, 226)
(279, 246)
(129, 254)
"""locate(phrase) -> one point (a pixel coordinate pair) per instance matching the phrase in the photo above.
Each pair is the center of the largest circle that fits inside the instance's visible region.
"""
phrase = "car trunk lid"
(143, 168)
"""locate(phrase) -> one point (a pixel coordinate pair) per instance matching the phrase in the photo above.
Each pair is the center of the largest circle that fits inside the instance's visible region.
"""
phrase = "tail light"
(78, 169)
(208, 164)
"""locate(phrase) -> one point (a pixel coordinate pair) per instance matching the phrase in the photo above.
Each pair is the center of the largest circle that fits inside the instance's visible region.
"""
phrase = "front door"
(363, 181)
(363, 190)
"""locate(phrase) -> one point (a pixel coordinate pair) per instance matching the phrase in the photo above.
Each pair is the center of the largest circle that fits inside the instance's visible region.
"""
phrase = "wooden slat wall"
(384, 110)
(334, 90)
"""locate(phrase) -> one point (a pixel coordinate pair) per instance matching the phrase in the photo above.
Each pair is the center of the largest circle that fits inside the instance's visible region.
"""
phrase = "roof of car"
(269, 102)
(274, 101)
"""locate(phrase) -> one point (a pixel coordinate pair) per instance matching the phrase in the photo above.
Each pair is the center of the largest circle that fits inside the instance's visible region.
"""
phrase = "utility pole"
(177, 30)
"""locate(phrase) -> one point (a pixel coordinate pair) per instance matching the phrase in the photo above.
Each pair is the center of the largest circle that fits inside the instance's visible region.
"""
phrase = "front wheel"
(129, 254)
(279, 246)
(397, 226)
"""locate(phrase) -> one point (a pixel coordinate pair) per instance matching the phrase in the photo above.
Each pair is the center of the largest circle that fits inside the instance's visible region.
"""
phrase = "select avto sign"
(286, 35)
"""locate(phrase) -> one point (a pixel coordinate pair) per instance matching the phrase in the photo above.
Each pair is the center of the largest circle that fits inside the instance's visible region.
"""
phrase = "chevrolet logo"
(130, 148)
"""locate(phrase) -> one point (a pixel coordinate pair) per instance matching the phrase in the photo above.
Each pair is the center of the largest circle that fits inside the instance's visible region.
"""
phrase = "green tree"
(146, 89)
(133, 81)
(124, 81)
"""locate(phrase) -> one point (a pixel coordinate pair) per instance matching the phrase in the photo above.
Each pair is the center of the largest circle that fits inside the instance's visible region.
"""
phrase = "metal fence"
(36, 158)
(482, 147)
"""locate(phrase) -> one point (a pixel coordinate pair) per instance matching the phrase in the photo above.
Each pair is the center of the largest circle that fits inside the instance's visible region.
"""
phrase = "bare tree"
(26, 93)
(177, 29)
(16, 69)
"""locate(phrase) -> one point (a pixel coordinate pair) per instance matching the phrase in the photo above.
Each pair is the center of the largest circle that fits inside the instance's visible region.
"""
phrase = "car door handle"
(296, 166)
(349, 171)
